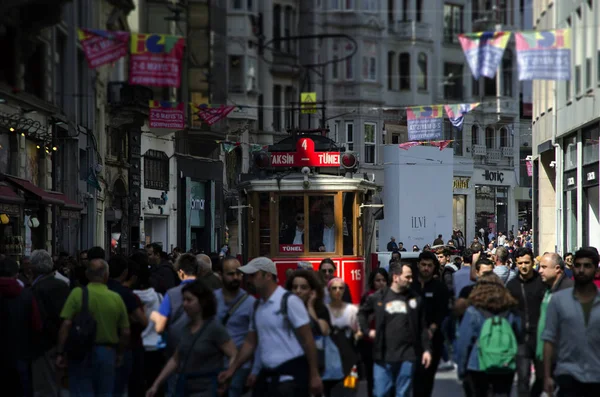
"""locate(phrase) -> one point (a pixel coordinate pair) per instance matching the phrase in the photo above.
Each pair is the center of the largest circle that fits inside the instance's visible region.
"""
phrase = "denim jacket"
(468, 334)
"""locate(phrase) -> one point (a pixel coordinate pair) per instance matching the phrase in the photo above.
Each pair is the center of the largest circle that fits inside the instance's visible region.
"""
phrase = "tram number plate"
(283, 248)
(356, 274)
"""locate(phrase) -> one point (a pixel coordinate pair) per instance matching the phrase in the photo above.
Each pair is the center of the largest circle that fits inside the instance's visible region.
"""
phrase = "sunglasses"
(328, 271)
(337, 288)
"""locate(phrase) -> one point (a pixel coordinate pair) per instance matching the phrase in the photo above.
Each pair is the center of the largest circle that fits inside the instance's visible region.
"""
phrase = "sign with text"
(305, 156)
(425, 123)
(544, 55)
(155, 60)
(461, 183)
(484, 51)
(308, 102)
(291, 248)
(102, 47)
(168, 115)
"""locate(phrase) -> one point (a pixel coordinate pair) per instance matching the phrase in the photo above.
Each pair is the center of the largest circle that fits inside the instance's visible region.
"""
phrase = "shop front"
(462, 198)
(12, 241)
(494, 201)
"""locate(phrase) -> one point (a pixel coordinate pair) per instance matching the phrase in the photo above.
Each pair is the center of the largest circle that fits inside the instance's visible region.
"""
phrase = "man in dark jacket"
(401, 335)
(529, 290)
(50, 294)
(436, 300)
(164, 276)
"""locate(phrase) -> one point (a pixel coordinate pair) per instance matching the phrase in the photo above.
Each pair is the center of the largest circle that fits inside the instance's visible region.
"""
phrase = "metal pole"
(323, 119)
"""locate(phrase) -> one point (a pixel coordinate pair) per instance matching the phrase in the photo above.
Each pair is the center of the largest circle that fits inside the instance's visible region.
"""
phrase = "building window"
(348, 5)
(422, 78)
(369, 67)
(82, 80)
(453, 84)
(588, 73)
(277, 107)
(507, 73)
(349, 137)
(452, 22)
(156, 170)
(577, 79)
(287, 29)
(118, 143)
(277, 27)
(370, 5)
(34, 76)
(349, 62)
(474, 135)
(390, 70)
(570, 147)
(391, 13)
(404, 70)
(370, 141)
(419, 10)
(490, 138)
(250, 5)
(590, 137)
(335, 4)
(251, 73)
(475, 87)
(335, 68)
(236, 73)
(504, 137)
(489, 87)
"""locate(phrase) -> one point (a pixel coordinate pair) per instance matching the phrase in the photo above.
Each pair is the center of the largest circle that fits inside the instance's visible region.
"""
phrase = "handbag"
(334, 369)
(346, 349)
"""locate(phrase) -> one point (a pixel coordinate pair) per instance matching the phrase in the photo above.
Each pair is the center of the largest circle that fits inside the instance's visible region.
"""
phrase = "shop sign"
(461, 183)
(493, 176)
(196, 204)
(11, 209)
(157, 200)
(287, 248)
(305, 156)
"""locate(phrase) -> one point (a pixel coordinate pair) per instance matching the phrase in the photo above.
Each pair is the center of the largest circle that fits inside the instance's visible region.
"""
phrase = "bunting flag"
(440, 144)
(155, 60)
(456, 113)
(164, 114)
(544, 55)
(529, 165)
(228, 147)
(102, 47)
(408, 145)
(211, 115)
(484, 51)
(424, 122)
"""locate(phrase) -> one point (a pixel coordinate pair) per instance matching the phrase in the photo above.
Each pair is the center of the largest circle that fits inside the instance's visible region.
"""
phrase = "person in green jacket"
(552, 272)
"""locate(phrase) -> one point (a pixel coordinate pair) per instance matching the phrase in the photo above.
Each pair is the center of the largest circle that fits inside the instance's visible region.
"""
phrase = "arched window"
(490, 137)
(507, 69)
(475, 135)
(422, 78)
(404, 70)
(504, 137)
(390, 70)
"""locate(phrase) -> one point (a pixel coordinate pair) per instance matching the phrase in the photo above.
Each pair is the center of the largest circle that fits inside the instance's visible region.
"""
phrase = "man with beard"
(571, 333)
(234, 309)
(401, 335)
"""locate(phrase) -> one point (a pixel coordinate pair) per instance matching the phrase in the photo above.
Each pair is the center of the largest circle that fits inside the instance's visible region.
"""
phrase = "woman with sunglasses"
(344, 329)
(327, 271)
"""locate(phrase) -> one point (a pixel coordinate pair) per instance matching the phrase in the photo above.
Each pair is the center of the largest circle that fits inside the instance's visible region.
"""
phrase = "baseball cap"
(305, 266)
(261, 263)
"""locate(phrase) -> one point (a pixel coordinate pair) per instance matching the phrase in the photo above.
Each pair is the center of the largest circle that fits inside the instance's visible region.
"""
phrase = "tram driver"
(294, 234)
(323, 235)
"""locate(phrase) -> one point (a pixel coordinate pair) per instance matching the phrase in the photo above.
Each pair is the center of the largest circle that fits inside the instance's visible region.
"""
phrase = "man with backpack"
(401, 335)
(93, 335)
(50, 294)
(280, 335)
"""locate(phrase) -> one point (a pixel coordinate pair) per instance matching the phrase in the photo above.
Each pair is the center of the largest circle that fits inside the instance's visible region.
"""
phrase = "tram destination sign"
(305, 156)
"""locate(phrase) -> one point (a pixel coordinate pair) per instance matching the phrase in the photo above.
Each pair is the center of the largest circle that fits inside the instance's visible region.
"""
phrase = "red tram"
(305, 202)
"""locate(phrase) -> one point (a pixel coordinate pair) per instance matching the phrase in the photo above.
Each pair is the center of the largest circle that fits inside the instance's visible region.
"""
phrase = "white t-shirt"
(348, 318)
(276, 344)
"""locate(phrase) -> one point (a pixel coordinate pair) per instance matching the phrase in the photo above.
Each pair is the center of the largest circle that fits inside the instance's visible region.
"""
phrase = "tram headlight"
(262, 160)
(349, 161)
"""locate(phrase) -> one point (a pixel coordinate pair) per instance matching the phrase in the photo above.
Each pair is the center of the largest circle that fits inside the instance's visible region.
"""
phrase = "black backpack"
(82, 335)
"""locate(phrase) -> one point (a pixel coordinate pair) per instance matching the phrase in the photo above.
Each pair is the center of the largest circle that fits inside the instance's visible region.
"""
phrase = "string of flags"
(440, 144)
(229, 146)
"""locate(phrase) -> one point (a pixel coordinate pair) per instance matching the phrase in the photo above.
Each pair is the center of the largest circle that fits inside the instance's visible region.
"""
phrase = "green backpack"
(497, 346)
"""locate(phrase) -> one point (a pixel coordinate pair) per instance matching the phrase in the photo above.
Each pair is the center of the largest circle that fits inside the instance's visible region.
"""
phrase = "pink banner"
(529, 167)
(102, 47)
(155, 60)
(169, 115)
(212, 115)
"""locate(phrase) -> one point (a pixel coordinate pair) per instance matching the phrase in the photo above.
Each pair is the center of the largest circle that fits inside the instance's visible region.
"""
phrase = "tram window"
(348, 223)
(291, 224)
(264, 226)
(322, 224)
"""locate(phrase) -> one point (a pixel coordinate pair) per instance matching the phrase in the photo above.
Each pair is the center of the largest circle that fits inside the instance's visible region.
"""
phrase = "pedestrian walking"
(401, 338)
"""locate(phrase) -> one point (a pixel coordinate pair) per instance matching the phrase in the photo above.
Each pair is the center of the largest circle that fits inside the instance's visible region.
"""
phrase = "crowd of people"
(192, 325)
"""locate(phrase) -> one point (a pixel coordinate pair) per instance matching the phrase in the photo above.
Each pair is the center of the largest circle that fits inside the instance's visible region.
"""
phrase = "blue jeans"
(95, 376)
(122, 374)
(386, 375)
(238, 382)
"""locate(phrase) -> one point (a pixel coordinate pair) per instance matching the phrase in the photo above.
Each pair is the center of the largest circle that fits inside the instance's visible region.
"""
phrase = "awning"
(39, 193)
(7, 194)
(68, 203)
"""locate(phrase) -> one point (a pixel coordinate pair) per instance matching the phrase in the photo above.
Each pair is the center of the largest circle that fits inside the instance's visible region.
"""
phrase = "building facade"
(566, 134)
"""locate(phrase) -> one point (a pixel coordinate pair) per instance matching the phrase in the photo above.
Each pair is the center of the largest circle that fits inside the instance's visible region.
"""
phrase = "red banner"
(155, 60)
(287, 248)
(212, 115)
(102, 47)
(305, 156)
(529, 167)
(168, 115)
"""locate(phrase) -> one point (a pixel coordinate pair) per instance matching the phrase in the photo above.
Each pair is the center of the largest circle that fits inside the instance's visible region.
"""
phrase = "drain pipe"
(558, 165)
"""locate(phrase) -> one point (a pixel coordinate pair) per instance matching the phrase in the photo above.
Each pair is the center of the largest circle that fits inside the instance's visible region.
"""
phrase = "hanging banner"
(155, 60)
(544, 55)
(168, 115)
(102, 47)
(425, 123)
(484, 51)
(441, 144)
(408, 145)
(212, 115)
(529, 165)
(456, 113)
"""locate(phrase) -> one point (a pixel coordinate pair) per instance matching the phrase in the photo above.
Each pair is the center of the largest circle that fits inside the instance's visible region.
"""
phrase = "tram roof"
(319, 182)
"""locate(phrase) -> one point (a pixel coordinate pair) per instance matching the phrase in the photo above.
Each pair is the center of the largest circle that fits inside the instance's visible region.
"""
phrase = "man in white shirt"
(281, 337)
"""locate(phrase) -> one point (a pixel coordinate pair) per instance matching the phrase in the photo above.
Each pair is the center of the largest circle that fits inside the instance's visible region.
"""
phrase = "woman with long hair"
(202, 348)
(489, 298)
(306, 285)
(378, 279)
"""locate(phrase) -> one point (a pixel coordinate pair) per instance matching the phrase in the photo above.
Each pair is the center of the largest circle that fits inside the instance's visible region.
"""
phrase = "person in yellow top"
(95, 375)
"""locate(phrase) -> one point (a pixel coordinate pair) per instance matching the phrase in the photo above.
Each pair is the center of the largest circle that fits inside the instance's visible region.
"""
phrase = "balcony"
(412, 30)
(494, 155)
(354, 19)
(507, 108)
(355, 92)
(508, 152)
(479, 150)
(285, 64)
